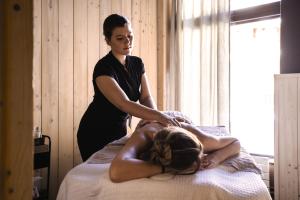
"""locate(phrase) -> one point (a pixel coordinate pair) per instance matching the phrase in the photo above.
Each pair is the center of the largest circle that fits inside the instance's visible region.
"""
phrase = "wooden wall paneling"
(161, 53)
(93, 42)
(289, 184)
(80, 69)
(288, 176)
(152, 42)
(276, 137)
(135, 20)
(37, 64)
(50, 80)
(37, 75)
(136, 27)
(126, 8)
(144, 50)
(65, 91)
(116, 7)
(17, 99)
(147, 46)
(105, 11)
(65, 96)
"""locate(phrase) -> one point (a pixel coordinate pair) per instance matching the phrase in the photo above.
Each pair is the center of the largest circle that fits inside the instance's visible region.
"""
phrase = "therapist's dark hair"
(111, 22)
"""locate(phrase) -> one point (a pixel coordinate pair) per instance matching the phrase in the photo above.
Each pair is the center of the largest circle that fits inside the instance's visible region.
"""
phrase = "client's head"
(177, 149)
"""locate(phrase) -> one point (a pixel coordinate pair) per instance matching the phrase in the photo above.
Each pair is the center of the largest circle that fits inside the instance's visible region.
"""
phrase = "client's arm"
(126, 165)
(214, 158)
(217, 148)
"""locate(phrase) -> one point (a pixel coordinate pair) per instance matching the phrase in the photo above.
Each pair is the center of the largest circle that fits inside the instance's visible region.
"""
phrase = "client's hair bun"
(176, 149)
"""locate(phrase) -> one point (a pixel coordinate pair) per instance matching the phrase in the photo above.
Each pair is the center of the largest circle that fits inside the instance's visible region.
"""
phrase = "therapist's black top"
(103, 122)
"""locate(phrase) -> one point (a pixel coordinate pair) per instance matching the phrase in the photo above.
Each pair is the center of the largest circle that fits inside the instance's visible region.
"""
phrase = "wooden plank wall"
(68, 41)
(17, 102)
(162, 46)
(286, 171)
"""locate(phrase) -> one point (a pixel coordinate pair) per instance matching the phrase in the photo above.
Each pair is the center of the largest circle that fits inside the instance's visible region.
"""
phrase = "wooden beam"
(1, 102)
(18, 99)
(289, 37)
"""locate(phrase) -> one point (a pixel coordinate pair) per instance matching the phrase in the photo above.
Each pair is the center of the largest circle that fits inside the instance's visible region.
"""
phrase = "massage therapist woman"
(119, 82)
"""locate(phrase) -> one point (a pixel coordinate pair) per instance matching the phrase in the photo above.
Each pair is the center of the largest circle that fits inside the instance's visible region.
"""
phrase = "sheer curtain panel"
(198, 70)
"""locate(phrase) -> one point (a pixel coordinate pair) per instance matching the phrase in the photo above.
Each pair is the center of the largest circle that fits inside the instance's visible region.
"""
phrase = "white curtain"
(174, 62)
(198, 70)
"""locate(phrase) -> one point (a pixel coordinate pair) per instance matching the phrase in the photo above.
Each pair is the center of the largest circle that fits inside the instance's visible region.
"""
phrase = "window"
(254, 59)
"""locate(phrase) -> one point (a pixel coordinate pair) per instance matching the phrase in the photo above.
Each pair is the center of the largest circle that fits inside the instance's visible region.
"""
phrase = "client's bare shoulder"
(149, 128)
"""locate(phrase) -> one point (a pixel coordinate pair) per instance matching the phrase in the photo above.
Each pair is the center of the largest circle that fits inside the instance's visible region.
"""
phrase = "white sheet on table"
(91, 182)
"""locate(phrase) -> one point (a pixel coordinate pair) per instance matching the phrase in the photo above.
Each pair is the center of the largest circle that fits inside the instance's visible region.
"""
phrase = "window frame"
(255, 13)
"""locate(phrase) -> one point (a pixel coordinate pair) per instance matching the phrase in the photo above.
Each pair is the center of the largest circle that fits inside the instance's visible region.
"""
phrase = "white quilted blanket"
(91, 182)
(234, 180)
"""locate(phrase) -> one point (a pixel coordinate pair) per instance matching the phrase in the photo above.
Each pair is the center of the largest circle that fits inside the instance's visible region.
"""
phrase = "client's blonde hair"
(176, 149)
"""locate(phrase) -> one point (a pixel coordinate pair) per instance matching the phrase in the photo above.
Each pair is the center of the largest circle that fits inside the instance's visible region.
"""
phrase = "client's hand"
(209, 161)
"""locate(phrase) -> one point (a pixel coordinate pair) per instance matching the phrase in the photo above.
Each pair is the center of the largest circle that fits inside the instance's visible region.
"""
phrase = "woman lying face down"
(153, 149)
